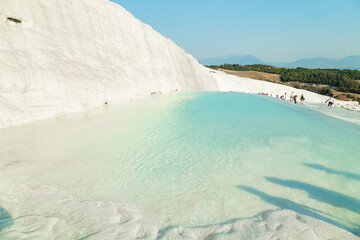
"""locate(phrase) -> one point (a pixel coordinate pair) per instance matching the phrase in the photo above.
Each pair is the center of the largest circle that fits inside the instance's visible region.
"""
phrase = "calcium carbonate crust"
(44, 212)
(72, 55)
(231, 83)
(60, 57)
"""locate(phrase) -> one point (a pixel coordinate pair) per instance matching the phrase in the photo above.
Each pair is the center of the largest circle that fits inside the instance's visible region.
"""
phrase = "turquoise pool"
(193, 159)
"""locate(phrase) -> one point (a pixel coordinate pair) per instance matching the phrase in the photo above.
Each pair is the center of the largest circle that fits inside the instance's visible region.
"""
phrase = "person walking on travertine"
(285, 96)
(331, 101)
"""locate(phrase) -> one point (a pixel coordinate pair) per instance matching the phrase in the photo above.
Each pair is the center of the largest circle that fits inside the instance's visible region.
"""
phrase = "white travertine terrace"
(72, 55)
(64, 56)
(59, 57)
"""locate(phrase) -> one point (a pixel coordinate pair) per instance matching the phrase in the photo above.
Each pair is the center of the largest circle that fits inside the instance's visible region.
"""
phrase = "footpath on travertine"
(233, 83)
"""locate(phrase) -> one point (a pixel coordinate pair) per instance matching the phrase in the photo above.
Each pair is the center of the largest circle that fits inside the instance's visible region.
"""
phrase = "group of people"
(293, 97)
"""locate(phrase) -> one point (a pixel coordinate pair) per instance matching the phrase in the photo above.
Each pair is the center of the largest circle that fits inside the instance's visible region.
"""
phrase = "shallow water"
(338, 112)
(190, 159)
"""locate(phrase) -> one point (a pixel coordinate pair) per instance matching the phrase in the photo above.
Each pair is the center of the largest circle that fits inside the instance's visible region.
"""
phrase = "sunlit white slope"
(228, 82)
(72, 55)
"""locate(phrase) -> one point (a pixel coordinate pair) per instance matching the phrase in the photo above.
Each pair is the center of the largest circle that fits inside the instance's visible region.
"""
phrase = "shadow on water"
(332, 171)
(321, 194)
(288, 204)
(5, 219)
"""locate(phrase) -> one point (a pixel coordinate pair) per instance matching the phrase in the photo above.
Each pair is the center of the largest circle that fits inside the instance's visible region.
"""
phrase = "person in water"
(331, 101)
(302, 98)
(295, 97)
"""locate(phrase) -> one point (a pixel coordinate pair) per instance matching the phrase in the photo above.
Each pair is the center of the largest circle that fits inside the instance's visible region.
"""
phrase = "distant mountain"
(351, 62)
(235, 59)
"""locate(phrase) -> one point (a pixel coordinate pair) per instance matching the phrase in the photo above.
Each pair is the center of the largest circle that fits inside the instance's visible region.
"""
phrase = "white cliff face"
(71, 55)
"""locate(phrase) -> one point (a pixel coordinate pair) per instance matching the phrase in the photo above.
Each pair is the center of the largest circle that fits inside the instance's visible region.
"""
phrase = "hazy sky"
(272, 30)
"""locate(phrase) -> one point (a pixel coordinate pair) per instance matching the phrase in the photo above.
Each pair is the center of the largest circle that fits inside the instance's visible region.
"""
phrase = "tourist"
(291, 96)
(331, 101)
(285, 96)
(302, 98)
(295, 97)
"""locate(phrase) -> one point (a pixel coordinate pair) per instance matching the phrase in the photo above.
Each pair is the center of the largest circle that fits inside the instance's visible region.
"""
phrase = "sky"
(272, 30)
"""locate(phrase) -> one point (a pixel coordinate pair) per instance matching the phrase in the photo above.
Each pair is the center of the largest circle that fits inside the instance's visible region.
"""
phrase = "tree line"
(342, 80)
